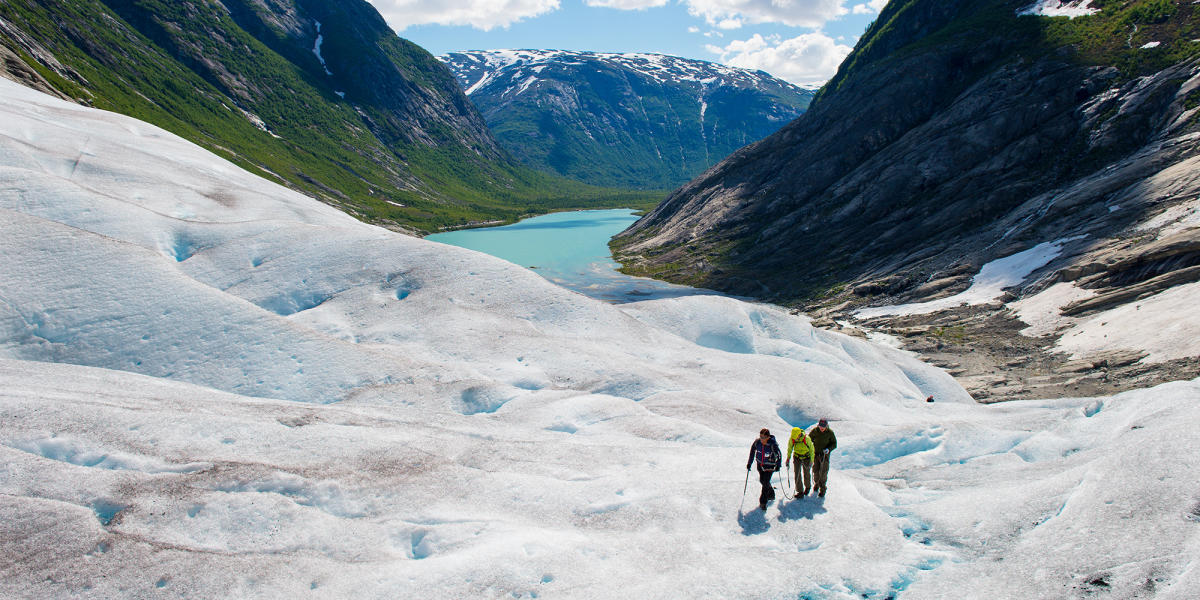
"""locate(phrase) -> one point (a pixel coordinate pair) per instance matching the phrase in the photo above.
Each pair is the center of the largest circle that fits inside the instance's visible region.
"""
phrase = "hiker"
(766, 451)
(800, 448)
(823, 442)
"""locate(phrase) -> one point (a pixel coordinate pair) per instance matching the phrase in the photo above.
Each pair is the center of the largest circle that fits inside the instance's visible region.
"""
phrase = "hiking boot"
(798, 495)
(821, 493)
(762, 507)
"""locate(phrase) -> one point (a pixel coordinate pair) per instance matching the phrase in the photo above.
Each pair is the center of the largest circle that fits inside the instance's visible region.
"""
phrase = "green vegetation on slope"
(1116, 35)
(1113, 36)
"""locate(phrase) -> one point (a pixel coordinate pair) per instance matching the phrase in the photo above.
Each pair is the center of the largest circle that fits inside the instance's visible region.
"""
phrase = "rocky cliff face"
(956, 134)
(641, 120)
(318, 94)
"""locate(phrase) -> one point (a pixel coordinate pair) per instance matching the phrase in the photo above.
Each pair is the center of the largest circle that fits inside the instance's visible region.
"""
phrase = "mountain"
(641, 120)
(253, 395)
(954, 135)
(318, 94)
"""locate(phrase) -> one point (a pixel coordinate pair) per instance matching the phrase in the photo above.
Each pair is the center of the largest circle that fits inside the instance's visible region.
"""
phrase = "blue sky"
(802, 41)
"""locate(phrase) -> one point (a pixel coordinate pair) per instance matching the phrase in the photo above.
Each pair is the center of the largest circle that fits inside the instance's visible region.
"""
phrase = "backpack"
(798, 444)
(769, 459)
(797, 441)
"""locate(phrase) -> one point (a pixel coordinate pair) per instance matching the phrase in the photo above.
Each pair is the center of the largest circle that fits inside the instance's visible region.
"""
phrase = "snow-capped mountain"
(646, 120)
(212, 386)
(478, 68)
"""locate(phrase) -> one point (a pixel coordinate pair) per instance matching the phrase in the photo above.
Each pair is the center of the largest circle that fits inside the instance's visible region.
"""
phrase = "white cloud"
(796, 13)
(750, 46)
(724, 14)
(626, 4)
(693, 30)
(808, 60)
(870, 8)
(481, 14)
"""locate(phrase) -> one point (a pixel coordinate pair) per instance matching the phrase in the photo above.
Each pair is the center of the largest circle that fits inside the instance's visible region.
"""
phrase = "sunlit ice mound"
(212, 386)
(128, 248)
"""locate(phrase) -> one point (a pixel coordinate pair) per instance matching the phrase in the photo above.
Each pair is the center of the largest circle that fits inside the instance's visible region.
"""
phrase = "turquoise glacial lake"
(571, 250)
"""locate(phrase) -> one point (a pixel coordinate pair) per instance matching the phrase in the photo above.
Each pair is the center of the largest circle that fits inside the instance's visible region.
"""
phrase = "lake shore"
(569, 248)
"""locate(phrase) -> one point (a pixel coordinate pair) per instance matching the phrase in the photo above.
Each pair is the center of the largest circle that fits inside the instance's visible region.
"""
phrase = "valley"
(250, 393)
(237, 360)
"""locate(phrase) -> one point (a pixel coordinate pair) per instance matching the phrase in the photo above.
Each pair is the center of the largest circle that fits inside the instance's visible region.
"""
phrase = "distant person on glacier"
(823, 442)
(800, 449)
(766, 451)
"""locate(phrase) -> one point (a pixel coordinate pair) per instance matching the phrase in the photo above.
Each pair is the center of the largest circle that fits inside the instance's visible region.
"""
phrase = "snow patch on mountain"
(525, 85)
(317, 48)
(986, 286)
(1059, 8)
(476, 69)
(1168, 314)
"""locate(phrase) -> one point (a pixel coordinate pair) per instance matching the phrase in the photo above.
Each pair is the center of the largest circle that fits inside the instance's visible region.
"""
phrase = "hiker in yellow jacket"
(800, 447)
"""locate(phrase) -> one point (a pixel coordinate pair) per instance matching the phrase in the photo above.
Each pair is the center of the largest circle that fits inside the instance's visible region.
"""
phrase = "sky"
(801, 41)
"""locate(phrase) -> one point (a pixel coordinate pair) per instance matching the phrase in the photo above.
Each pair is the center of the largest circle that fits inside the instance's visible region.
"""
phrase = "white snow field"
(1059, 8)
(213, 387)
(986, 286)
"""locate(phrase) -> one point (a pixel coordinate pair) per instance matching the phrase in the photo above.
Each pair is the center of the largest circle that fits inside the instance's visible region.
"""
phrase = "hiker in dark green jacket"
(823, 442)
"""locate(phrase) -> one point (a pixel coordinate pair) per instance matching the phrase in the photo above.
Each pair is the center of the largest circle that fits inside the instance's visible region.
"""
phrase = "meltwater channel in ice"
(570, 249)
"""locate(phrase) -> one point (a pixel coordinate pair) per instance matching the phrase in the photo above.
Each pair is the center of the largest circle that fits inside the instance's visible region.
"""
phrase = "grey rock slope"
(955, 134)
(642, 120)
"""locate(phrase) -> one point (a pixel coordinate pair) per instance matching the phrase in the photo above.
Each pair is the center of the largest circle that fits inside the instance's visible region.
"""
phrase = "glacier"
(213, 386)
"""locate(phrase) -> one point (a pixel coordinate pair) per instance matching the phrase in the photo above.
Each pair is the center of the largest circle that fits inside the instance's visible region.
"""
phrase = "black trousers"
(768, 492)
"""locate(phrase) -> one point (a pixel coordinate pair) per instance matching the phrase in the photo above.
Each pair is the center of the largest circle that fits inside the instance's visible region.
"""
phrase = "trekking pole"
(744, 486)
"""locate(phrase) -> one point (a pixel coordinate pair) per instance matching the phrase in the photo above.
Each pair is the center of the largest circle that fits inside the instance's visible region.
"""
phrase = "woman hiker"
(766, 451)
(800, 448)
